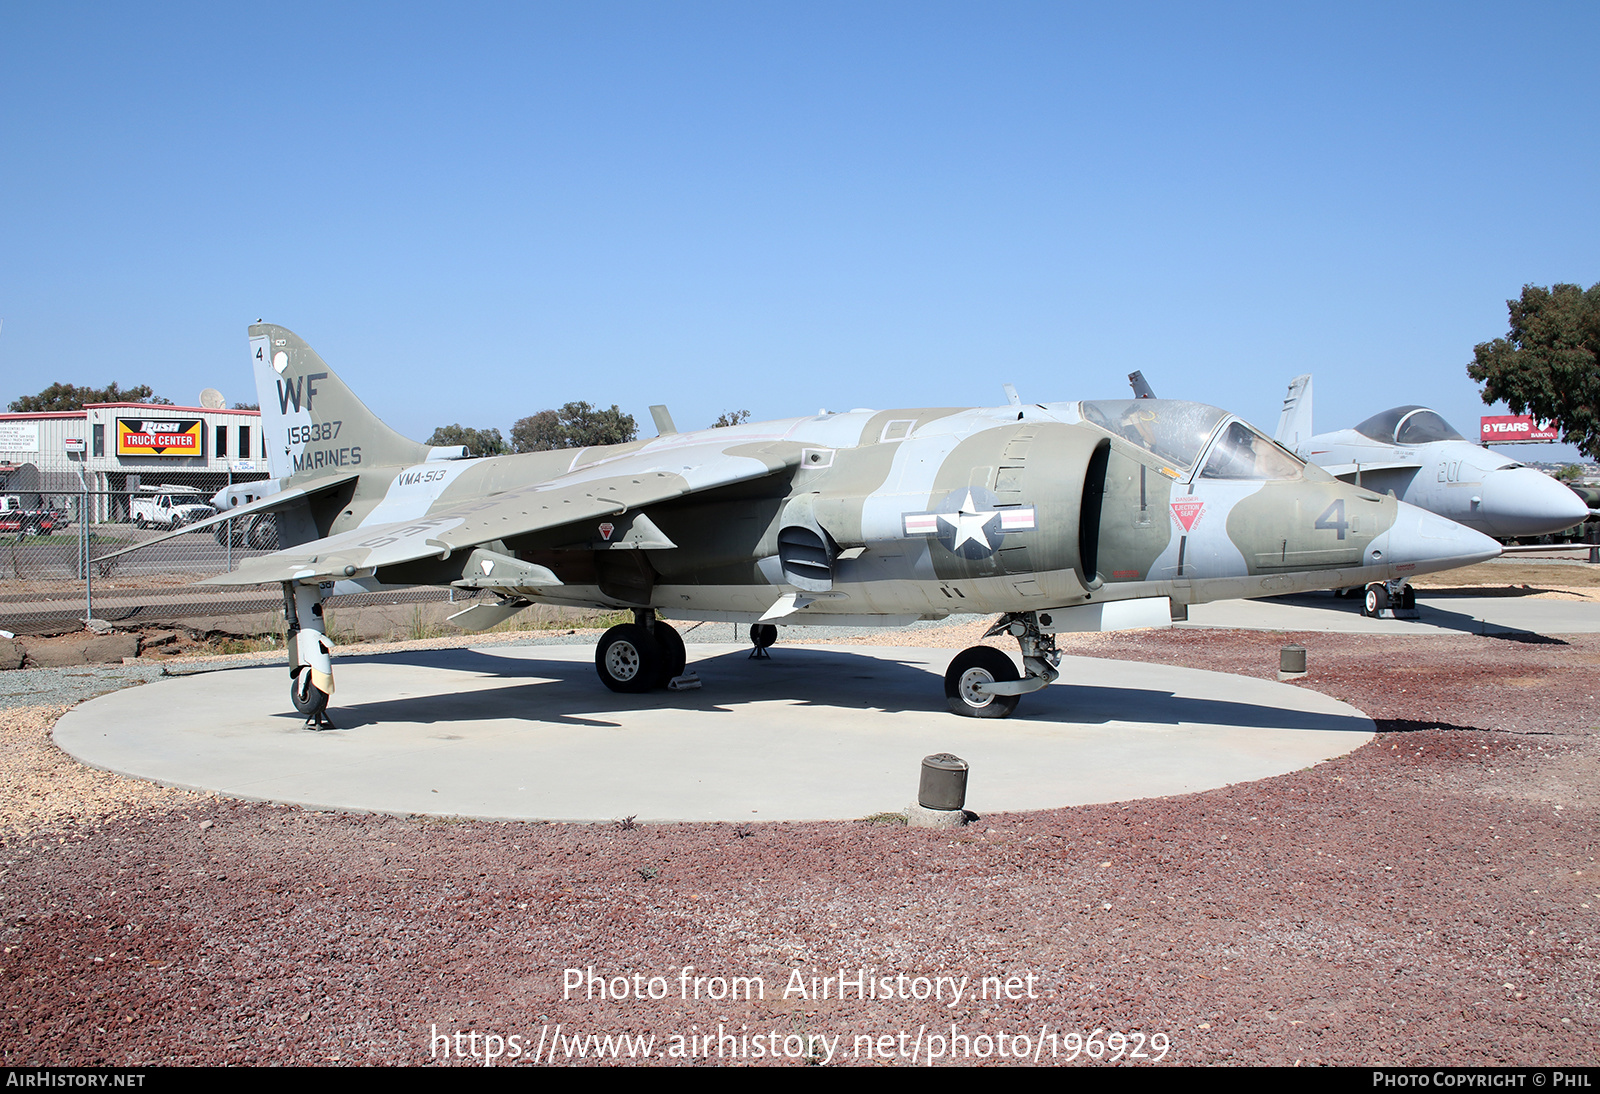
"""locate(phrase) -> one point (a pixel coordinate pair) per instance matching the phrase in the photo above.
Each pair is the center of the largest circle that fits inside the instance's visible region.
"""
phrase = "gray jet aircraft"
(1414, 453)
(1056, 517)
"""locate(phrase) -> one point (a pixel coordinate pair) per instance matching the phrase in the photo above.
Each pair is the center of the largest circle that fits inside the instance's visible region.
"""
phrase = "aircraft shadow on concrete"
(1431, 614)
(569, 693)
(1448, 620)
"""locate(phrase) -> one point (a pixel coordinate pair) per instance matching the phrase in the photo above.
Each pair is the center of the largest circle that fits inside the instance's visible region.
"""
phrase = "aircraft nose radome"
(1519, 501)
(1426, 542)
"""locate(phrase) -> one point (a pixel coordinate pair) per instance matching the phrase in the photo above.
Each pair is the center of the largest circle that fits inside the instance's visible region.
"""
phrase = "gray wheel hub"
(969, 687)
(622, 661)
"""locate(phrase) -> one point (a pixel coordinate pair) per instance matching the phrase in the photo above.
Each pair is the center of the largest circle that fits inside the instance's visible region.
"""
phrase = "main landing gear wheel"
(309, 699)
(1377, 599)
(974, 666)
(628, 659)
(762, 635)
(674, 658)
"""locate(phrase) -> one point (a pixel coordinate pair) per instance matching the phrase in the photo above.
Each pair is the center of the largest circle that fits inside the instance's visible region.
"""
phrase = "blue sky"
(477, 212)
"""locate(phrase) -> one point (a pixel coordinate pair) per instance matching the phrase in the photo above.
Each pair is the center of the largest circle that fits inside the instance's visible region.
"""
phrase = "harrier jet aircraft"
(1055, 516)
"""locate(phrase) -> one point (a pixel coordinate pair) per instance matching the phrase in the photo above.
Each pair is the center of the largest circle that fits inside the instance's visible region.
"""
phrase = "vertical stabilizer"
(310, 420)
(1294, 424)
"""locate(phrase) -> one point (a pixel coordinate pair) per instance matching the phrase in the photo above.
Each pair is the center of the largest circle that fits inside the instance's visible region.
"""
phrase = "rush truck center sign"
(159, 436)
(1514, 428)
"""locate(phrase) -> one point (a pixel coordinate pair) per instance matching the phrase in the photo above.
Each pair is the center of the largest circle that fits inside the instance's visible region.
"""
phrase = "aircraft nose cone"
(1421, 543)
(1519, 501)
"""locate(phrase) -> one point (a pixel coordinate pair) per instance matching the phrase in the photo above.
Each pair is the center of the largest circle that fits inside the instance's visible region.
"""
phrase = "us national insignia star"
(970, 523)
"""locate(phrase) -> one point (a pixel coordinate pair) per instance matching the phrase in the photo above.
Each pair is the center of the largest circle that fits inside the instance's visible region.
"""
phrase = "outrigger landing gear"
(982, 682)
(636, 657)
(762, 635)
(310, 653)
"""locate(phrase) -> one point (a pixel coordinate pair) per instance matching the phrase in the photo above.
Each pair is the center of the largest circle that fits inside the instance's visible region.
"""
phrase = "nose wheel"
(982, 682)
(1389, 599)
(965, 681)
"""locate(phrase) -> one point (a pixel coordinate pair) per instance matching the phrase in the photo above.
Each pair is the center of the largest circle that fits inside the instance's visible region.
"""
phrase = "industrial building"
(106, 449)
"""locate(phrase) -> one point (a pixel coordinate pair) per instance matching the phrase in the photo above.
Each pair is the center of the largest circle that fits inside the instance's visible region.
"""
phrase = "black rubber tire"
(307, 698)
(763, 635)
(628, 659)
(979, 664)
(1408, 597)
(1375, 600)
(674, 658)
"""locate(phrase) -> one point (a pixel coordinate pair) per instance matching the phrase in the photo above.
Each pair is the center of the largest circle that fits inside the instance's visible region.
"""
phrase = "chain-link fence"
(54, 575)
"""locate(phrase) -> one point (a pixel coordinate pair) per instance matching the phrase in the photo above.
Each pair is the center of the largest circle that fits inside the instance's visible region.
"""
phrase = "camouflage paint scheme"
(717, 501)
(865, 517)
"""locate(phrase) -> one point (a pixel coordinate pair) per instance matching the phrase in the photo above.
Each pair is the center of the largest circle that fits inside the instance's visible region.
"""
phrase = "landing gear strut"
(982, 682)
(310, 653)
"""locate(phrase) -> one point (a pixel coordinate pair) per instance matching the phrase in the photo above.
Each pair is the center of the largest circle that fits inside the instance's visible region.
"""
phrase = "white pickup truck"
(169, 510)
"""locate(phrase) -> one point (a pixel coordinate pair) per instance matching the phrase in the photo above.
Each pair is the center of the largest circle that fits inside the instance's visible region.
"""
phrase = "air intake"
(1094, 492)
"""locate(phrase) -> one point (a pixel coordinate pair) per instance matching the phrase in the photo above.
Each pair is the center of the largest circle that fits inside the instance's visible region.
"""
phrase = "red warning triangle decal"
(1186, 511)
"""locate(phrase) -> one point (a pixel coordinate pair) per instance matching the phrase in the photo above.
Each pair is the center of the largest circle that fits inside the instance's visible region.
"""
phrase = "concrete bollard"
(942, 793)
(944, 782)
(1291, 662)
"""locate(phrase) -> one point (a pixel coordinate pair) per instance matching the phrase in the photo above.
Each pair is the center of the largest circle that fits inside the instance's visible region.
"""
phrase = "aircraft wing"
(280, 500)
(607, 489)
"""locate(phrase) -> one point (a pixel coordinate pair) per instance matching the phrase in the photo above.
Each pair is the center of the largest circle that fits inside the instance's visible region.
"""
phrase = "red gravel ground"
(1428, 900)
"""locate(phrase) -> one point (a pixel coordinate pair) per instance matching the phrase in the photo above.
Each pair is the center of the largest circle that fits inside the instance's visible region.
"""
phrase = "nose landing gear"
(982, 682)
(1396, 599)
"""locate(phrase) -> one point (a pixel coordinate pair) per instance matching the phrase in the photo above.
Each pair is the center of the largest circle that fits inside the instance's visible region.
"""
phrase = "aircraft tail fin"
(1294, 424)
(311, 422)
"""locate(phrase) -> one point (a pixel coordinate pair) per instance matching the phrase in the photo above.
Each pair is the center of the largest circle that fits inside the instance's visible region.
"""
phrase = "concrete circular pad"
(814, 733)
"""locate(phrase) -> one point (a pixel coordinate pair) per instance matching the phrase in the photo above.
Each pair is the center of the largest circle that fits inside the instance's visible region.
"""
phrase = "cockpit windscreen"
(1408, 425)
(1172, 430)
(1242, 453)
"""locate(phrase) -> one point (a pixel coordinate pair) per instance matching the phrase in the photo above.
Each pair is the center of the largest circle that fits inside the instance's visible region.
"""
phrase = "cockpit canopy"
(1408, 425)
(1177, 433)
